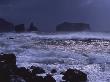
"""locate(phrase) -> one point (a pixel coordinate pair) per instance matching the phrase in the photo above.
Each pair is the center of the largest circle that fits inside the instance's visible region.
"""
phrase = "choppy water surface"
(89, 52)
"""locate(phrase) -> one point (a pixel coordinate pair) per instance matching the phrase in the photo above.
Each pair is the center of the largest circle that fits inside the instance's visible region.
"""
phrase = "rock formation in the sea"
(32, 27)
(74, 75)
(74, 27)
(6, 26)
(20, 28)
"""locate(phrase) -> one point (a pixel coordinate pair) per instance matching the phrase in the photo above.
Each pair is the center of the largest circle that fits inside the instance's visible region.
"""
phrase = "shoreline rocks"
(9, 72)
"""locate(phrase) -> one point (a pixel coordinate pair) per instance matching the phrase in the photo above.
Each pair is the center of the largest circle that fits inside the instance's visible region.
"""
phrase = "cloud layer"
(2, 2)
(48, 13)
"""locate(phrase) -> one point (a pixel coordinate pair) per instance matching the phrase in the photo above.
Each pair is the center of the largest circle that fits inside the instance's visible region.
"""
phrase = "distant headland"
(6, 26)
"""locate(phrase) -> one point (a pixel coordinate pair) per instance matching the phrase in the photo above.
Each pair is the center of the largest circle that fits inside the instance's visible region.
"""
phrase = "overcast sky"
(48, 13)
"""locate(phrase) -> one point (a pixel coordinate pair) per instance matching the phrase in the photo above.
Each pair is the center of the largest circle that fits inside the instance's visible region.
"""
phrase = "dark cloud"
(2, 2)
(49, 13)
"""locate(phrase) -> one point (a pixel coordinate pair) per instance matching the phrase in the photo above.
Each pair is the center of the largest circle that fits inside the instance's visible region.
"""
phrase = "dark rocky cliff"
(6, 26)
(20, 28)
(66, 26)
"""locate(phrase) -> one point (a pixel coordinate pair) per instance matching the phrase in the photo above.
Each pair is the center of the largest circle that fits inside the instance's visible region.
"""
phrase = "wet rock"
(37, 70)
(38, 79)
(49, 78)
(7, 66)
(4, 75)
(15, 78)
(8, 60)
(74, 75)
